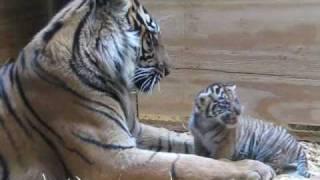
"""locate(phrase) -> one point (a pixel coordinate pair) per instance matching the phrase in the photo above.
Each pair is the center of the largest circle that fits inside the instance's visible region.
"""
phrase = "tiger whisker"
(145, 83)
(140, 76)
(144, 87)
(138, 79)
(159, 78)
(141, 73)
(149, 91)
(154, 81)
(146, 69)
(152, 85)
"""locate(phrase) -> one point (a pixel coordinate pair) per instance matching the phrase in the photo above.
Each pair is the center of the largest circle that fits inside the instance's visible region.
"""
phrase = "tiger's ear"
(118, 7)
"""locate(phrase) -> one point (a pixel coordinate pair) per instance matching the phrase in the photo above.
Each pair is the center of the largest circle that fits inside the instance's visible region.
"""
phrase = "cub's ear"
(202, 101)
(231, 87)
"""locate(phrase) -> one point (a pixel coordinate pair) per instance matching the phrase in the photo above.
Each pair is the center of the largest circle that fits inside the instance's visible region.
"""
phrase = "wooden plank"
(20, 21)
(278, 38)
(278, 99)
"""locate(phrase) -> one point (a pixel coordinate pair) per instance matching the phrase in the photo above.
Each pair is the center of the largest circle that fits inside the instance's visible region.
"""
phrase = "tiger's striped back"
(270, 143)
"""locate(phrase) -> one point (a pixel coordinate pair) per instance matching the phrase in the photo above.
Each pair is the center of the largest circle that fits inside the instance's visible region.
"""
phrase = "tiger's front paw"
(255, 170)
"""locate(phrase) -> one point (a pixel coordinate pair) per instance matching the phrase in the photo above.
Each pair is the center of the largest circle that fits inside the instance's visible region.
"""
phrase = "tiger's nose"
(166, 71)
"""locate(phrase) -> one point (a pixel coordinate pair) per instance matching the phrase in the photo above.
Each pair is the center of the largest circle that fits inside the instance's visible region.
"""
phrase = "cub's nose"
(227, 117)
(237, 109)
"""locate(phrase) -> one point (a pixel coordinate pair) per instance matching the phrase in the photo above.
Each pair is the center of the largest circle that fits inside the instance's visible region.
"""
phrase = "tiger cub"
(220, 131)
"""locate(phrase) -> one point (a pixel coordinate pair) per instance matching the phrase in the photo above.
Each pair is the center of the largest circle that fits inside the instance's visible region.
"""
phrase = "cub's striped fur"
(220, 131)
(65, 107)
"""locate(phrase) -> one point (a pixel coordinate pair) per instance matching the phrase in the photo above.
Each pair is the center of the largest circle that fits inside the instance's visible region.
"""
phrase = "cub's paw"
(255, 170)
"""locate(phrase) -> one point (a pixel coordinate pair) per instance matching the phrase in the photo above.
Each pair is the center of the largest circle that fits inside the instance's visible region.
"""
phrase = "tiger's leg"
(302, 165)
(112, 159)
(200, 150)
(276, 168)
(278, 161)
(160, 139)
(160, 165)
(138, 164)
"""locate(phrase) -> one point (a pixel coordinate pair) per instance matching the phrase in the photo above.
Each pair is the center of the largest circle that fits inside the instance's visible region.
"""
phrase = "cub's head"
(218, 103)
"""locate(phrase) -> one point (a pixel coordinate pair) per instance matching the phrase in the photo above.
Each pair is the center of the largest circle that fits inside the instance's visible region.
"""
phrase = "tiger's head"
(152, 60)
(219, 103)
(108, 43)
(152, 63)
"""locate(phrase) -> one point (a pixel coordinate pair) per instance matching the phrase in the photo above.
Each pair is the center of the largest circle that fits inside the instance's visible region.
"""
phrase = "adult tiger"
(65, 109)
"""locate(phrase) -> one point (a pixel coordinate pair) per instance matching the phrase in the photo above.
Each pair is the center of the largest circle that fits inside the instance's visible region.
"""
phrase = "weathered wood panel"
(270, 48)
(265, 37)
(276, 99)
(20, 20)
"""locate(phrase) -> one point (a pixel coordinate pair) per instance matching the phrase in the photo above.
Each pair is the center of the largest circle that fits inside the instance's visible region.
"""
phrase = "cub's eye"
(215, 101)
(155, 41)
(220, 99)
